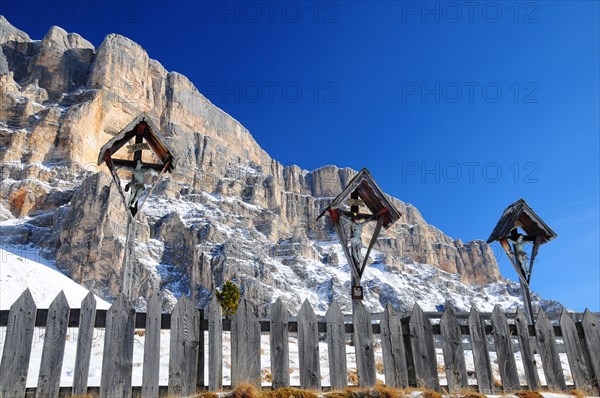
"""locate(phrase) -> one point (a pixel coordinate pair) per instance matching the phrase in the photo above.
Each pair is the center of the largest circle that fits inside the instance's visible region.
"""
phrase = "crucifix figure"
(518, 241)
(136, 184)
(357, 222)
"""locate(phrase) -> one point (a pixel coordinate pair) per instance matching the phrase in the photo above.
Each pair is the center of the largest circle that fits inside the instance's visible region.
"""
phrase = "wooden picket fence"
(408, 347)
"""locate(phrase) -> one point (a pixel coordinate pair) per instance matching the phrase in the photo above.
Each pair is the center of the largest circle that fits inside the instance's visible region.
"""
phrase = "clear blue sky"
(458, 108)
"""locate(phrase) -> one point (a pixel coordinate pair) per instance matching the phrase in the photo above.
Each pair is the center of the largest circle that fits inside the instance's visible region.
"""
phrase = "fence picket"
(549, 352)
(151, 347)
(54, 347)
(454, 355)
(215, 345)
(280, 352)
(17, 346)
(591, 333)
(392, 346)
(363, 346)
(245, 346)
(529, 363)
(118, 349)
(504, 352)
(87, 319)
(336, 347)
(308, 347)
(423, 350)
(481, 355)
(575, 354)
(183, 355)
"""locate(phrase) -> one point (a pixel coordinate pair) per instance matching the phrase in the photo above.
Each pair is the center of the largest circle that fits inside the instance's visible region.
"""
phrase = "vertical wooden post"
(17, 347)
(308, 347)
(392, 345)
(363, 346)
(183, 356)
(549, 353)
(454, 355)
(54, 348)
(481, 355)
(336, 347)
(527, 355)
(215, 345)
(152, 348)
(504, 352)
(575, 354)
(280, 352)
(591, 333)
(423, 350)
(87, 320)
(118, 349)
(245, 346)
(129, 258)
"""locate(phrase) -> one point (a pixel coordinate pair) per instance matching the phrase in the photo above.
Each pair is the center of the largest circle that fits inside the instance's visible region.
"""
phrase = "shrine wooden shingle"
(142, 126)
(371, 194)
(520, 214)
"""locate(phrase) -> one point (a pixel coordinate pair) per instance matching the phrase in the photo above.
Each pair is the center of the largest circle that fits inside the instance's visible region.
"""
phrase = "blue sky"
(458, 108)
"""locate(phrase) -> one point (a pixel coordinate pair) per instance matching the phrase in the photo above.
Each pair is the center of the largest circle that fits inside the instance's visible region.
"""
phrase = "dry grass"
(206, 395)
(578, 393)
(388, 392)
(353, 376)
(267, 376)
(245, 390)
(467, 393)
(140, 332)
(430, 394)
(379, 366)
(528, 394)
(288, 392)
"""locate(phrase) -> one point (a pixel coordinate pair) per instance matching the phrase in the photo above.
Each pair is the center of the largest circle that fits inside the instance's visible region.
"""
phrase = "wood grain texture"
(215, 345)
(280, 351)
(481, 355)
(527, 355)
(54, 348)
(245, 346)
(549, 353)
(392, 346)
(336, 347)
(504, 351)
(577, 359)
(87, 318)
(151, 347)
(118, 349)
(591, 334)
(423, 350)
(308, 347)
(363, 346)
(17, 346)
(454, 355)
(183, 355)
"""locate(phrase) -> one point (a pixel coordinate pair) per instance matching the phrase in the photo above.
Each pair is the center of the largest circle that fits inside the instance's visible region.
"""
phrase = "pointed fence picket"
(409, 345)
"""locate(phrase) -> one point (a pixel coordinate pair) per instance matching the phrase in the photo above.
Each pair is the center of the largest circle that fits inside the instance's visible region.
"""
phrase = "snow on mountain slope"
(23, 267)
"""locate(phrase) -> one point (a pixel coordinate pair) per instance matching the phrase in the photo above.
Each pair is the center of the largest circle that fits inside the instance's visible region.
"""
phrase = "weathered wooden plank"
(392, 346)
(215, 345)
(549, 353)
(17, 346)
(454, 355)
(280, 351)
(577, 362)
(118, 349)
(363, 346)
(308, 347)
(151, 347)
(245, 346)
(183, 355)
(504, 351)
(527, 354)
(336, 347)
(591, 335)
(54, 347)
(481, 355)
(87, 317)
(423, 350)
(200, 344)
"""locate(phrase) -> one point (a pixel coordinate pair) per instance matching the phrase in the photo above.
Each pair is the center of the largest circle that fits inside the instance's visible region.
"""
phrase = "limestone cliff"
(228, 211)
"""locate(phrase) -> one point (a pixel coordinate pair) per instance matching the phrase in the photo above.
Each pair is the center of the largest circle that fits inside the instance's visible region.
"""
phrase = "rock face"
(229, 211)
